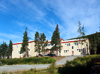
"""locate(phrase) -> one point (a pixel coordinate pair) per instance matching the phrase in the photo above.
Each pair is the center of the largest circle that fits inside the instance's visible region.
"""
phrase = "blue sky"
(44, 15)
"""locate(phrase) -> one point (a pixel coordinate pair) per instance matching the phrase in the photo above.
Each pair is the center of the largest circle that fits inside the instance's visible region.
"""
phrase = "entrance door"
(72, 52)
(84, 51)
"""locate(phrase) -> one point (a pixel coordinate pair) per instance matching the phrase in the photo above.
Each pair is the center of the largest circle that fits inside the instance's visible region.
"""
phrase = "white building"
(69, 47)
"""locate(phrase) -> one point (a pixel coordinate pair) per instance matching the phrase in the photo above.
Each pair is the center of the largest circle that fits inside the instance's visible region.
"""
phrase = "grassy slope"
(80, 65)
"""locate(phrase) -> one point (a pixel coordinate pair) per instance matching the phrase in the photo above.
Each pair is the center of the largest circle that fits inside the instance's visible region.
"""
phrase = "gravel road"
(11, 68)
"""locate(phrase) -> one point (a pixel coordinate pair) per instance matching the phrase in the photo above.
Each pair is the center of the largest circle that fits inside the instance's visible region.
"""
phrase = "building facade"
(69, 47)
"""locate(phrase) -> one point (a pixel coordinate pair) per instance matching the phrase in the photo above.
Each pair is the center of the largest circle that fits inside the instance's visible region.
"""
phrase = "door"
(84, 51)
(72, 52)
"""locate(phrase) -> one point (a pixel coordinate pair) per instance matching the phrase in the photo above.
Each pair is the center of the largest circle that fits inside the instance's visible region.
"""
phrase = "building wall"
(32, 49)
(17, 47)
(16, 50)
(66, 48)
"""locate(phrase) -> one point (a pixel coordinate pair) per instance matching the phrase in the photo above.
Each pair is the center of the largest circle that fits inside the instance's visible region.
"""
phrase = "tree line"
(6, 50)
(95, 43)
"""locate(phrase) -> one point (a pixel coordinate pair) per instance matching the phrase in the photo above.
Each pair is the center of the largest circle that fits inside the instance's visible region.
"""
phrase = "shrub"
(33, 70)
(30, 60)
(80, 65)
(10, 72)
(52, 67)
(3, 72)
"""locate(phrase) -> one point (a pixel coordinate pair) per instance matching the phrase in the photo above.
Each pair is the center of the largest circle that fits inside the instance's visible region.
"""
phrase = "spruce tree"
(37, 43)
(4, 47)
(55, 40)
(7, 53)
(98, 41)
(95, 44)
(0, 51)
(91, 44)
(81, 34)
(24, 47)
(43, 42)
(10, 48)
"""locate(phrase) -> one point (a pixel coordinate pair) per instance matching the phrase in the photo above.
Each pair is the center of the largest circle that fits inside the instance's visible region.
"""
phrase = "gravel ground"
(37, 66)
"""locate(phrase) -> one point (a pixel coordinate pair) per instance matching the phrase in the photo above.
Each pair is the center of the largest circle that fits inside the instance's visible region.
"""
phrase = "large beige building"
(69, 47)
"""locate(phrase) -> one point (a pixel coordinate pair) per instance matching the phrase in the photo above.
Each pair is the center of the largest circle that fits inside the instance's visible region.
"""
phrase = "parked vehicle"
(50, 55)
(46, 55)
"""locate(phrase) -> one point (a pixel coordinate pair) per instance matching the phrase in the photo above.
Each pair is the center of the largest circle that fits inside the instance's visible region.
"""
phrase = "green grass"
(31, 60)
(80, 65)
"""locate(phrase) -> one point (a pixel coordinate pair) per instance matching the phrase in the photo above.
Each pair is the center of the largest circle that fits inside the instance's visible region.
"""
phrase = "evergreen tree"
(81, 34)
(4, 47)
(95, 44)
(7, 53)
(37, 43)
(79, 30)
(10, 48)
(43, 42)
(55, 40)
(91, 44)
(0, 51)
(98, 42)
(24, 47)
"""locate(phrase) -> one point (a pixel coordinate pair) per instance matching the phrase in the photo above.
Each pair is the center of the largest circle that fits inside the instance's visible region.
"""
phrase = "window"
(65, 51)
(16, 46)
(19, 52)
(87, 44)
(48, 45)
(68, 44)
(79, 50)
(72, 47)
(76, 43)
(52, 45)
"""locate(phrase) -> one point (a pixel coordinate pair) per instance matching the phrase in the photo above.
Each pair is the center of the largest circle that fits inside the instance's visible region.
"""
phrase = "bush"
(30, 60)
(80, 65)
(52, 67)
(33, 70)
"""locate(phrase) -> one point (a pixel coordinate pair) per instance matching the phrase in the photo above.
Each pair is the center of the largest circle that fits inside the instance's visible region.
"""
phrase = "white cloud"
(70, 12)
(11, 36)
(7, 37)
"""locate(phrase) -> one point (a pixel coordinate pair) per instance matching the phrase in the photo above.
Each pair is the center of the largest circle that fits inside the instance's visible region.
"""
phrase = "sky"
(44, 15)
